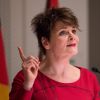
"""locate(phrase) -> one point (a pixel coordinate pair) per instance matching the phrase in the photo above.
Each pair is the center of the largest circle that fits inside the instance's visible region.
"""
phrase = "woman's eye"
(63, 33)
(74, 31)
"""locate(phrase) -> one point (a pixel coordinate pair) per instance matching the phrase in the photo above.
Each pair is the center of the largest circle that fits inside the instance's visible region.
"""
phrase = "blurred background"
(16, 15)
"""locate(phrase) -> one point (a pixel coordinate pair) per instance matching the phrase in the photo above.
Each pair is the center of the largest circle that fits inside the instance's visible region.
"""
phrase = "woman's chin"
(73, 52)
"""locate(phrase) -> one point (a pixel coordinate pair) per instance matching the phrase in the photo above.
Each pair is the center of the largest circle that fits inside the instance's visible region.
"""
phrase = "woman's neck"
(60, 70)
(56, 65)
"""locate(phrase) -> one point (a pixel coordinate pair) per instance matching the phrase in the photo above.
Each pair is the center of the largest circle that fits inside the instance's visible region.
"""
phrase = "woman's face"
(63, 40)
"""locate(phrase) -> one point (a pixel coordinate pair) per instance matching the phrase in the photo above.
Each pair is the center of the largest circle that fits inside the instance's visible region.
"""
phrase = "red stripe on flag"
(3, 71)
(52, 4)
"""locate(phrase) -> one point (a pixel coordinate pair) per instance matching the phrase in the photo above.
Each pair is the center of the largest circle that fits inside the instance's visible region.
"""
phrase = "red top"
(44, 88)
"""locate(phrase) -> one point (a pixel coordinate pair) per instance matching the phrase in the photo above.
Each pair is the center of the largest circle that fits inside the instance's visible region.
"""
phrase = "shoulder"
(87, 72)
(19, 76)
(89, 79)
(88, 76)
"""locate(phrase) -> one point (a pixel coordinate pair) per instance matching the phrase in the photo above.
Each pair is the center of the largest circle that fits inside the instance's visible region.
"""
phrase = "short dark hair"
(44, 22)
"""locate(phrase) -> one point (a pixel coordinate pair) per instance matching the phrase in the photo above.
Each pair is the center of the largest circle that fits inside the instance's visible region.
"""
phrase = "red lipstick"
(73, 44)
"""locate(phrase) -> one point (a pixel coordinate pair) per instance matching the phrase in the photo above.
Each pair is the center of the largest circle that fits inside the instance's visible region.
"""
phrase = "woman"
(54, 78)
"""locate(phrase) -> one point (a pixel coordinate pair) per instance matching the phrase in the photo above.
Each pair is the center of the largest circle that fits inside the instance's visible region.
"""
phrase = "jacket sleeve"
(17, 91)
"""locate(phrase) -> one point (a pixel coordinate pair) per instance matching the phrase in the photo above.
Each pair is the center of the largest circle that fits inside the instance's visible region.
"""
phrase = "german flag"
(4, 84)
(52, 4)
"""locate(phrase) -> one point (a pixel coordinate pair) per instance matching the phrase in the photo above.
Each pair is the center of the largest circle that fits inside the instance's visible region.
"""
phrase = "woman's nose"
(71, 37)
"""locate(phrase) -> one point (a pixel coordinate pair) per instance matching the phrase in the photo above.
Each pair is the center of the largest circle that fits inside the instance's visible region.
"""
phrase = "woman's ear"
(45, 43)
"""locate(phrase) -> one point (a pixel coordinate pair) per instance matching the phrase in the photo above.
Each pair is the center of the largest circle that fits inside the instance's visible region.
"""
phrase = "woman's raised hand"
(30, 66)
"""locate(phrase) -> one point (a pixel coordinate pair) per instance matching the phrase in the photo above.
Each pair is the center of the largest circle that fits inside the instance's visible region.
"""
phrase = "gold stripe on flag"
(4, 92)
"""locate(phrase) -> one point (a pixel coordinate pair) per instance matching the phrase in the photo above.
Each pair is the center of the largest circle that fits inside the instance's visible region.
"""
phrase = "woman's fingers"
(21, 53)
(33, 58)
(30, 62)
